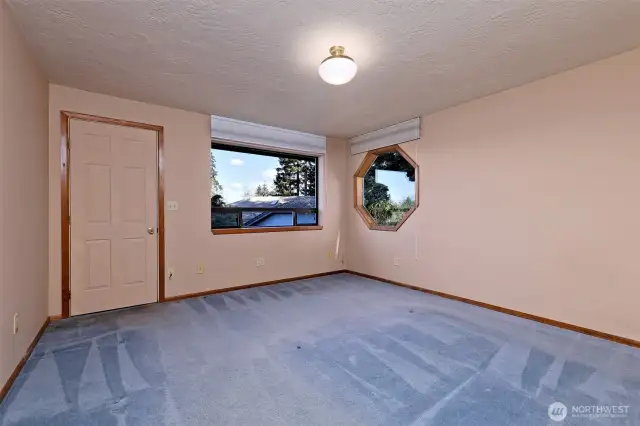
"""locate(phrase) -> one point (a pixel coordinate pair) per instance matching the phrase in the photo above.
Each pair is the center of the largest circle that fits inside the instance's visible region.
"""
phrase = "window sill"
(227, 231)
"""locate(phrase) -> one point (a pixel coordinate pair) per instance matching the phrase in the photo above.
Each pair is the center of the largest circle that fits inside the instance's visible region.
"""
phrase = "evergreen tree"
(216, 188)
(308, 178)
(396, 162)
(295, 177)
(263, 190)
(407, 203)
(289, 177)
(374, 192)
(217, 201)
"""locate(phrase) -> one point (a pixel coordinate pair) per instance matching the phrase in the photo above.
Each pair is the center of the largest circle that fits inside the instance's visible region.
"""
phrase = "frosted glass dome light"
(338, 68)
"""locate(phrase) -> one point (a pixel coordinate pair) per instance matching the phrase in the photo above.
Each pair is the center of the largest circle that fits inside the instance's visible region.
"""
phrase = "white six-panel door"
(114, 218)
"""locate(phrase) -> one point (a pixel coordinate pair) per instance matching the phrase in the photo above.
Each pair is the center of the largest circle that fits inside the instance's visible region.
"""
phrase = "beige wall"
(229, 260)
(23, 189)
(530, 199)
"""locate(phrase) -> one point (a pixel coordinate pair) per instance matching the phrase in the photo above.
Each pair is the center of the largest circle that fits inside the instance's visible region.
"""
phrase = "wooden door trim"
(65, 120)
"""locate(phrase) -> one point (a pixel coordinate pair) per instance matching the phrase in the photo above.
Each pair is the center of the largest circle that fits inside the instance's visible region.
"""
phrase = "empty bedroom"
(320, 212)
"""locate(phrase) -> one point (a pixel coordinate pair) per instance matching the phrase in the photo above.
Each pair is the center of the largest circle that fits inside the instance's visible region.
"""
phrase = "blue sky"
(400, 187)
(239, 172)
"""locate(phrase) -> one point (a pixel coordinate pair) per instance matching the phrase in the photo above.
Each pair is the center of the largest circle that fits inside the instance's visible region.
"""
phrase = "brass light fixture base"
(336, 51)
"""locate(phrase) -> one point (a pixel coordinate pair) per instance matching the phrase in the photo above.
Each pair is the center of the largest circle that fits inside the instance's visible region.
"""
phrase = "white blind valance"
(261, 136)
(392, 135)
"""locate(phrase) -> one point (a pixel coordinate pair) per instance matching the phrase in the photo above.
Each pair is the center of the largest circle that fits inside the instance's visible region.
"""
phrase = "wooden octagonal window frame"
(358, 179)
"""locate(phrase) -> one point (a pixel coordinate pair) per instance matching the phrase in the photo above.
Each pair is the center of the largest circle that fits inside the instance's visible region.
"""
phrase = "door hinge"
(69, 220)
(66, 294)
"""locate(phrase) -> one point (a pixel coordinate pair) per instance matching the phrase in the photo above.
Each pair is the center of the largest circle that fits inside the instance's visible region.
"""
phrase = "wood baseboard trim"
(12, 378)
(53, 318)
(243, 287)
(543, 320)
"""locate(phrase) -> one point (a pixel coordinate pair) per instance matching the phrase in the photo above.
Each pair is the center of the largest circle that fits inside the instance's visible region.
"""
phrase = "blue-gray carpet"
(337, 350)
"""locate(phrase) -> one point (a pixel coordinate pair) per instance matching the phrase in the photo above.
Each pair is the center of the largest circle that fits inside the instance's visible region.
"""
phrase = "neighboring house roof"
(250, 218)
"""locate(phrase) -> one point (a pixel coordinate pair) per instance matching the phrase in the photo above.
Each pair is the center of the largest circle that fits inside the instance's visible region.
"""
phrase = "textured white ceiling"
(257, 60)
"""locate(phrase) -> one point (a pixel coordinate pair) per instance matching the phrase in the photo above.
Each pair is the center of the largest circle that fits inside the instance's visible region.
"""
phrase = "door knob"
(151, 231)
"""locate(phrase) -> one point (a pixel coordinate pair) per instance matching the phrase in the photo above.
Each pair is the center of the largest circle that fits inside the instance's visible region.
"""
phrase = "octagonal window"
(386, 184)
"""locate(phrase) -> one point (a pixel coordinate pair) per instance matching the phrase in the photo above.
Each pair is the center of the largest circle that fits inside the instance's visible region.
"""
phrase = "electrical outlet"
(172, 205)
(260, 262)
(200, 269)
(15, 323)
(396, 261)
(171, 272)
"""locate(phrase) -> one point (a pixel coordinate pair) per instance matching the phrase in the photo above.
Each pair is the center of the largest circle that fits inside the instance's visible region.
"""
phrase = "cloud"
(233, 192)
(237, 162)
(232, 195)
(269, 174)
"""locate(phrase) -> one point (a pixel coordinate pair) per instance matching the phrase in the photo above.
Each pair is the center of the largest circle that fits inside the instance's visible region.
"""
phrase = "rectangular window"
(255, 189)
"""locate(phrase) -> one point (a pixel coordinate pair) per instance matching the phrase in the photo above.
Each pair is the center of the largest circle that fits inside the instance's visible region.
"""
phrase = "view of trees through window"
(247, 186)
(389, 188)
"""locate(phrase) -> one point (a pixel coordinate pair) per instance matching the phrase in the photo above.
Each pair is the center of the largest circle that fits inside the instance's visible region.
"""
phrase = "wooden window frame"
(65, 141)
(358, 190)
(239, 229)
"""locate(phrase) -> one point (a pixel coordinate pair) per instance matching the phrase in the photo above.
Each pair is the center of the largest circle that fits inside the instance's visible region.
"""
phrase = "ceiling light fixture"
(338, 68)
